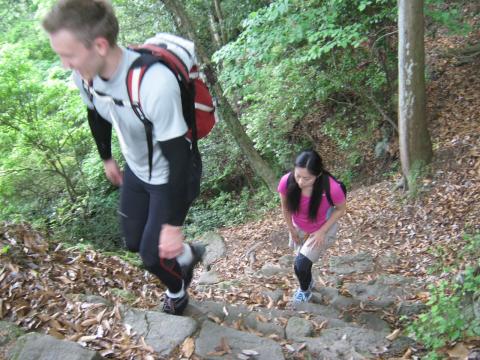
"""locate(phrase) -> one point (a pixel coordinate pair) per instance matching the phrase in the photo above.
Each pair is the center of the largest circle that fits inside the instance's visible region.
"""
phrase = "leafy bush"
(294, 55)
(451, 316)
(228, 209)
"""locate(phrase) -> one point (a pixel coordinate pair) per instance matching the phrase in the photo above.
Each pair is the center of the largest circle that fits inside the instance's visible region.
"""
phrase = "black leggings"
(303, 270)
(142, 214)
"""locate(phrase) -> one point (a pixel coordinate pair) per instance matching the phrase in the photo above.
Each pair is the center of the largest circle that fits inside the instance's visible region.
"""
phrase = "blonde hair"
(86, 19)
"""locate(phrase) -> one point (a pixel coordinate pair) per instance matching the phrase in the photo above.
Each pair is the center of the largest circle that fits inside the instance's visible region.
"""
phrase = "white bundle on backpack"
(183, 48)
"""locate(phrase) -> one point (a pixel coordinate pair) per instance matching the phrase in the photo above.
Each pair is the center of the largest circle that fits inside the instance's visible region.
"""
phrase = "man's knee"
(132, 234)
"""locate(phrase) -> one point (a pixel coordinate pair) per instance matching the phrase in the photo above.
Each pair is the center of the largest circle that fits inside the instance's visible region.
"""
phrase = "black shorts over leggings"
(142, 213)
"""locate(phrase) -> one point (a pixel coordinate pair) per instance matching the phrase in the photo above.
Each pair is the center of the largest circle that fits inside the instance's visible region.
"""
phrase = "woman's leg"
(303, 270)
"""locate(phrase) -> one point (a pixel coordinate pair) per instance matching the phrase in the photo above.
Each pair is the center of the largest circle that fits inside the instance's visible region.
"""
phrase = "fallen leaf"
(188, 347)
(393, 335)
(87, 338)
(250, 352)
(290, 348)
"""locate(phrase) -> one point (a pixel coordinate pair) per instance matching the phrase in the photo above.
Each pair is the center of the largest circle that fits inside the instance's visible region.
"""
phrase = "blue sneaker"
(302, 296)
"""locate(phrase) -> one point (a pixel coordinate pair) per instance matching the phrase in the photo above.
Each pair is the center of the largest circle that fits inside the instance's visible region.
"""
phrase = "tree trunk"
(414, 138)
(259, 165)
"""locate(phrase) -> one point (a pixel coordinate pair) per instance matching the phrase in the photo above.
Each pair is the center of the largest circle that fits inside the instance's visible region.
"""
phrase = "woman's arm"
(287, 215)
(338, 211)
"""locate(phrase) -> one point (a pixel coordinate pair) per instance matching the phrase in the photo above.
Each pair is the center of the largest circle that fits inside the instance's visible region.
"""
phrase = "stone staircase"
(344, 322)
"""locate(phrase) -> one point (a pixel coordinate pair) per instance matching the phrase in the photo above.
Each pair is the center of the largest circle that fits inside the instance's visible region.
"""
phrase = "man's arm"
(177, 152)
(102, 134)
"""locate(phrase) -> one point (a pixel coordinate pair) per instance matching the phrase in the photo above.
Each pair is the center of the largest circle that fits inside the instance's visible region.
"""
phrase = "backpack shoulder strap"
(326, 185)
(134, 78)
(149, 55)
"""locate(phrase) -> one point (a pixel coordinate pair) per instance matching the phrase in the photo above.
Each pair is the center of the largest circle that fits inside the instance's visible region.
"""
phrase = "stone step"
(161, 331)
(45, 347)
(208, 344)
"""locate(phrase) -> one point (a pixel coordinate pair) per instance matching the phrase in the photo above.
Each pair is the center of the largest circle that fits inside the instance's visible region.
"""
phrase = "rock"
(161, 331)
(317, 309)
(94, 299)
(388, 260)
(347, 343)
(381, 148)
(298, 328)
(398, 347)
(328, 293)
(255, 321)
(272, 269)
(215, 247)
(331, 323)
(211, 335)
(287, 261)
(208, 278)
(274, 295)
(202, 310)
(9, 332)
(373, 322)
(228, 284)
(409, 309)
(359, 263)
(46, 347)
(278, 239)
(332, 297)
(381, 292)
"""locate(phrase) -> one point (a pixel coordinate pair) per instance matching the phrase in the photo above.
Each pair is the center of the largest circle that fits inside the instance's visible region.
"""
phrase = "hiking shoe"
(301, 296)
(175, 306)
(198, 251)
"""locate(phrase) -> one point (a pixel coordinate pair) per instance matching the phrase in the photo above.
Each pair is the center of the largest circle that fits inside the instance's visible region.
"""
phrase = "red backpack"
(178, 54)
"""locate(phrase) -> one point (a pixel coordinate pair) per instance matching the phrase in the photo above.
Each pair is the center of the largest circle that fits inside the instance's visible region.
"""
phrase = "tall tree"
(258, 164)
(415, 143)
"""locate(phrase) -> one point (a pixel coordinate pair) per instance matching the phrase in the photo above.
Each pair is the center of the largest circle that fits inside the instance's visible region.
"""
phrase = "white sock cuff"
(177, 294)
(186, 257)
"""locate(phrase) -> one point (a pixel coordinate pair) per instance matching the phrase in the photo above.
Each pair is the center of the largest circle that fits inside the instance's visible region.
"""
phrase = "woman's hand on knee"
(295, 236)
(319, 238)
(170, 244)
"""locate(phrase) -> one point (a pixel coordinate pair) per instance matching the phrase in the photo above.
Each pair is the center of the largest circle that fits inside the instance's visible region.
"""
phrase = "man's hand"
(113, 172)
(170, 244)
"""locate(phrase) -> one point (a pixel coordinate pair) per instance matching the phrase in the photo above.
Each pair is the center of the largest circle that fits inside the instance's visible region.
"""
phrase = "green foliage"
(140, 20)
(448, 14)
(450, 316)
(125, 295)
(4, 250)
(294, 55)
(48, 175)
(228, 209)
(46, 139)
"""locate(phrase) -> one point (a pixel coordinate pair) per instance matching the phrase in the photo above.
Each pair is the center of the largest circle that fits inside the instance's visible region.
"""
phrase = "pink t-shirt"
(300, 218)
